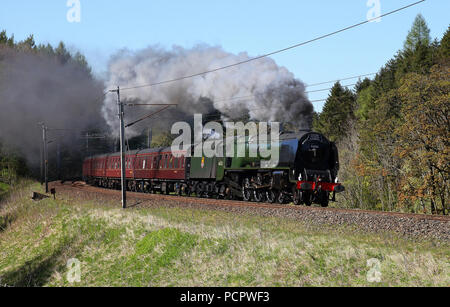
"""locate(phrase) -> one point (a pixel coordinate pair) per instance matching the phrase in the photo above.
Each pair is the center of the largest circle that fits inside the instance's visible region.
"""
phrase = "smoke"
(260, 90)
(38, 88)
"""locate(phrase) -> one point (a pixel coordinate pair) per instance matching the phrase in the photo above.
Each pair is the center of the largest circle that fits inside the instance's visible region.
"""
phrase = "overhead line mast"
(122, 149)
(121, 106)
(44, 154)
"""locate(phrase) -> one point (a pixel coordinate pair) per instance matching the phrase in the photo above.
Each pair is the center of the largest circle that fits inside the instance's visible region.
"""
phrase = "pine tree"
(28, 44)
(418, 35)
(62, 53)
(445, 45)
(3, 37)
(338, 110)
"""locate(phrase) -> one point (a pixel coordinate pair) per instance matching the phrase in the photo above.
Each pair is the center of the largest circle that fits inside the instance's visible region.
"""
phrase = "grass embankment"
(183, 247)
(3, 188)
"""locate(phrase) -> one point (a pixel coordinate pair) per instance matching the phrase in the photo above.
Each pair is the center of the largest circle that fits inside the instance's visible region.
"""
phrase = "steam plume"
(276, 94)
(37, 88)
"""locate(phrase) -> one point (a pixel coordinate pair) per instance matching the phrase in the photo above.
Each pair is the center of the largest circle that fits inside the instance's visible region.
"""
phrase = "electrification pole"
(45, 155)
(87, 144)
(42, 163)
(122, 149)
(149, 137)
(58, 158)
(122, 136)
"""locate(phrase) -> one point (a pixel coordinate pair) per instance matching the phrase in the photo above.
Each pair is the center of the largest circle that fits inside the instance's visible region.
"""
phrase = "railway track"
(232, 203)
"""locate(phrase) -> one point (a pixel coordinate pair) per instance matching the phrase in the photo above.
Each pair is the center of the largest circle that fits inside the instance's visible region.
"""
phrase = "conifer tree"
(418, 35)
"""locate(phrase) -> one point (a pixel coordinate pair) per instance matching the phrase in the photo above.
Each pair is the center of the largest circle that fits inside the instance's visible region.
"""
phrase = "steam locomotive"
(306, 172)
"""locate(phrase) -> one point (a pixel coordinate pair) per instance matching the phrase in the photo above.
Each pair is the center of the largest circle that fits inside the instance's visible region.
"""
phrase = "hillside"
(169, 246)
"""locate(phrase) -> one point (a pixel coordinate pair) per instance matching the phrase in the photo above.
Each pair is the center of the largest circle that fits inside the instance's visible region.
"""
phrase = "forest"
(393, 132)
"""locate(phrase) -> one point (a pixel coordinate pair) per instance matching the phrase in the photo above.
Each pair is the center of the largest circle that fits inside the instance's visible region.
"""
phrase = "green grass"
(187, 247)
(3, 188)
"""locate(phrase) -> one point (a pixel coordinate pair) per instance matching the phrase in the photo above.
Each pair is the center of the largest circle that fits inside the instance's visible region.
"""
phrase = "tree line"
(70, 154)
(394, 131)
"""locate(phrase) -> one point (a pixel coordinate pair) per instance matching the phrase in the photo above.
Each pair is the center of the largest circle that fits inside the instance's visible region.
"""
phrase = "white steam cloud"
(271, 93)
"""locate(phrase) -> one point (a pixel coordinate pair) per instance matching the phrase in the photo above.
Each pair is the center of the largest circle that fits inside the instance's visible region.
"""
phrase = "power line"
(250, 97)
(274, 52)
(219, 113)
(148, 116)
(327, 89)
(338, 80)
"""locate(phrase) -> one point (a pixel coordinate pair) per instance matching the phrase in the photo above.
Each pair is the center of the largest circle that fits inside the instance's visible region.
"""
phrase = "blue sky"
(257, 26)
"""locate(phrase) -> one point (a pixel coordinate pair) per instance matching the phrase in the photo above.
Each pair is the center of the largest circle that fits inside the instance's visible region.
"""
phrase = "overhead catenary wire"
(327, 89)
(250, 97)
(338, 80)
(273, 52)
(148, 116)
(243, 98)
(264, 56)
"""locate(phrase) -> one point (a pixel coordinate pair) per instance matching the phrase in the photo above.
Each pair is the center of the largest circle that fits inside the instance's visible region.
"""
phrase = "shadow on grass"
(3, 195)
(6, 221)
(36, 272)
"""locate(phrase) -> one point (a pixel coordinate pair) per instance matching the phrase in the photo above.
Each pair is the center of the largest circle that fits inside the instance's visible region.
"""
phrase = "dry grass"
(186, 247)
